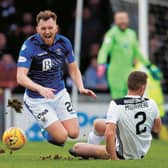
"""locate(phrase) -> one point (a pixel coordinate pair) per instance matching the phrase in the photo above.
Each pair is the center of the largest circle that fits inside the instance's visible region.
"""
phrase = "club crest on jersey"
(126, 45)
(46, 64)
(58, 51)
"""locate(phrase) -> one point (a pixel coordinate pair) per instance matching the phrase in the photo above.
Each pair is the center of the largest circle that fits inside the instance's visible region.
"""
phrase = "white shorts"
(47, 111)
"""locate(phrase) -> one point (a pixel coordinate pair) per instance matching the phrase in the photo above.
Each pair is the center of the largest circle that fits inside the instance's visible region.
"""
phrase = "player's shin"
(87, 151)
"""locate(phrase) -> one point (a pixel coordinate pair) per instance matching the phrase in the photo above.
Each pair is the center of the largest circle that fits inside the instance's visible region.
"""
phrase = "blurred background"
(17, 22)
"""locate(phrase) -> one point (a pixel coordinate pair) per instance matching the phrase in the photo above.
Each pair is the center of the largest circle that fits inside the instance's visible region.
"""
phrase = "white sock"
(95, 139)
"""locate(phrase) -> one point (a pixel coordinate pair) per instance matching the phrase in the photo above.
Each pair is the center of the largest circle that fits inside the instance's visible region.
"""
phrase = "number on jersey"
(139, 126)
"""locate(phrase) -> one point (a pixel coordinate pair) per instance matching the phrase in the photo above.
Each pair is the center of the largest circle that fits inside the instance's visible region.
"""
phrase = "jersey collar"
(133, 96)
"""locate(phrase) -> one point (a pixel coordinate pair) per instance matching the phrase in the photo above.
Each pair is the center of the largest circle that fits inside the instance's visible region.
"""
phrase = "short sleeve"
(113, 113)
(70, 53)
(155, 109)
(25, 55)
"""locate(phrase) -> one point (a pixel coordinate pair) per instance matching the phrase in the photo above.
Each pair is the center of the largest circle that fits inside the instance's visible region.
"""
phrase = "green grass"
(29, 157)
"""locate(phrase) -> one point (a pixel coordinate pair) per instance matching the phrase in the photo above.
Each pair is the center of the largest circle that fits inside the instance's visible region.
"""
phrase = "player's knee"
(99, 126)
(61, 139)
(74, 133)
(76, 147)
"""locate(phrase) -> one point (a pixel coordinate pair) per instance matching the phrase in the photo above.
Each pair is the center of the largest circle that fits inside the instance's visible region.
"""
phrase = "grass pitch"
(44, 155)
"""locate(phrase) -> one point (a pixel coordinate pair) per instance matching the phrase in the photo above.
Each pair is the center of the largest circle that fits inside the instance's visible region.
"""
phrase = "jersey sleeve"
(155, 109)
(137, 53)
(113, 113)
(25, 55)
(70, 54)
(106, 48)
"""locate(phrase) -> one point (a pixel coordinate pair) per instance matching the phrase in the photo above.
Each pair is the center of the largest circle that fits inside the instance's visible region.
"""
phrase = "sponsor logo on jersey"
(22, 59)
(43, 53)
(46, 64)
(125, 45)
(42, 116)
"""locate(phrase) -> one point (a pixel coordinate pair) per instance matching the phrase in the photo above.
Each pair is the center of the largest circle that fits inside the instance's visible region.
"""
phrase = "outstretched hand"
(88, 92)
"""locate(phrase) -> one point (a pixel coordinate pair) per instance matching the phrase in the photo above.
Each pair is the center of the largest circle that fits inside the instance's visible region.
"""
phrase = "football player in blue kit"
(40, 63)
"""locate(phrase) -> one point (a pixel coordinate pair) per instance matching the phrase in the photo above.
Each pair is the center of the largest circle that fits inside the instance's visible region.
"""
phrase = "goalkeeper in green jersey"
(120, 43)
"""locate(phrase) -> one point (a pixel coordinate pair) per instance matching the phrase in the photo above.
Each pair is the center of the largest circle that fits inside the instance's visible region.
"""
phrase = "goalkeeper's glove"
(155, 72)
(101, 70)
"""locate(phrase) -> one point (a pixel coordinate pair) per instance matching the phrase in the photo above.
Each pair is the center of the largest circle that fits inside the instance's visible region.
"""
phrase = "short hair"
(45, 15)
(136, 79)
(121, 11)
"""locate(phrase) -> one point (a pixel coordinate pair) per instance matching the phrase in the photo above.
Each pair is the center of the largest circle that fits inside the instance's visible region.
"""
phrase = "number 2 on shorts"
(68, 106)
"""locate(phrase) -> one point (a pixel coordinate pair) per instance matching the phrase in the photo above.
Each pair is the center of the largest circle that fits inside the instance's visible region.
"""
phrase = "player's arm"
(110, 135)
(157, 125)
(157, 120)
(75, 72)
(23, 65)
(77, 79)
(103, 53)
(26, 82)
(106, 47)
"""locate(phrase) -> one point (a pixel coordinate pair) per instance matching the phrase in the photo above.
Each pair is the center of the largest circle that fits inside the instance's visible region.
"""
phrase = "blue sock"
(50, 139)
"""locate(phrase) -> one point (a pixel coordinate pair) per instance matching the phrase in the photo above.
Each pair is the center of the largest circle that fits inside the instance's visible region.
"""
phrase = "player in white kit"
(127, 127)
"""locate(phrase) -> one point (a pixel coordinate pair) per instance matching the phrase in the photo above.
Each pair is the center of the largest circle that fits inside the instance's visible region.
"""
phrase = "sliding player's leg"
(89, 151)
(100, 126)
(96, 136)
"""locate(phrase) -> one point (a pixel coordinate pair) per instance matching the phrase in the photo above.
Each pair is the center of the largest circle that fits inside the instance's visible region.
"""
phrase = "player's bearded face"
(122, 20)
(47, 30)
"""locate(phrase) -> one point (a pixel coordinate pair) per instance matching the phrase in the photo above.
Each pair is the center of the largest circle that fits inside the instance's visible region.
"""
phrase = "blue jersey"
(44, 62)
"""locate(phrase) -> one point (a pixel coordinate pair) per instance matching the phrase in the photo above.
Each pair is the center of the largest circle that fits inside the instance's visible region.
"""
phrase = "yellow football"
(14, 138)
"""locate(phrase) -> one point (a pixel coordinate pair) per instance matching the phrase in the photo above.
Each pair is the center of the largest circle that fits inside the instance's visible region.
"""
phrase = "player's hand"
(88, 92)
(101, 70)
(46, 92)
